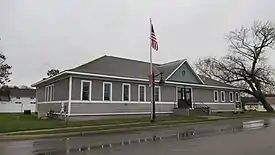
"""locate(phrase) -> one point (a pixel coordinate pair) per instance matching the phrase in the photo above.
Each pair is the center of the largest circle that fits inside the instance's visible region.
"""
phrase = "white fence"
(17, 105)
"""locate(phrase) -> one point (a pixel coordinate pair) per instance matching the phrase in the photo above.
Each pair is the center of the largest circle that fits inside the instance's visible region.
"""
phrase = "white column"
(70, 95)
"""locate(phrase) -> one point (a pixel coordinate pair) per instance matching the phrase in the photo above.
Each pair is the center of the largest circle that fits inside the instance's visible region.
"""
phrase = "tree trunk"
(266, 105)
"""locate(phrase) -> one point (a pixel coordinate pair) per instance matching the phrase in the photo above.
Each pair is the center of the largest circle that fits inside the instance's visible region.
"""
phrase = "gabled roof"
(22, 92)
(128, 69)
(212, 82)
(116, 66)
(168, 68)
(6, 93)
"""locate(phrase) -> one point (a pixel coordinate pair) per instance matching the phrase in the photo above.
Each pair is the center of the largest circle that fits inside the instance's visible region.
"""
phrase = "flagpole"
(151, 64)
(151, 74)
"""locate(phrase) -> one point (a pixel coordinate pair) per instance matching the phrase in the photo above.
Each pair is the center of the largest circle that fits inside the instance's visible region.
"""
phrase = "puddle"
(184, 135)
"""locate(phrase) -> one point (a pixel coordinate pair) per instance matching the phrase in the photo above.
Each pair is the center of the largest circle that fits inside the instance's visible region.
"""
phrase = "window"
(216, 96)
(157, 93)
(17, 97)
(141, 93)
(86, 89)
(32, 97)
(237, 97)
(231, 96)
(32, 102)
(49, 93)
(18, 102)
(107, 91)
(222, 96)
(126, 92)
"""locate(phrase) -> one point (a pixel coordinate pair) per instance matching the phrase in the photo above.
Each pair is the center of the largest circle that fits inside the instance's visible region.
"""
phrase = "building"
(251, 103)
(111, 86)
(16, 100)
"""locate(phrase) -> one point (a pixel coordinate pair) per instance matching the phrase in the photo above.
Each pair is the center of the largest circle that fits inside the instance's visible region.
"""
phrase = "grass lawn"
(21, 122)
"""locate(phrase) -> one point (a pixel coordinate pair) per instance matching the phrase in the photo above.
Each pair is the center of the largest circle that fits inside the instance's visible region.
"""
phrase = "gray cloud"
(38, 35)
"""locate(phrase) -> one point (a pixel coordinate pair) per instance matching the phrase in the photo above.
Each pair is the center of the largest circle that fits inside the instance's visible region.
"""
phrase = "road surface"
(251, 137)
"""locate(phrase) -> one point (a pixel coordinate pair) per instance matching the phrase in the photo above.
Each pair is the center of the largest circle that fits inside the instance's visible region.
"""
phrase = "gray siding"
(84, 108)
(167, 92)
(46, 107)
(188, 77)
(220, 107)
(87, 118)
(203, 95)
(61, 90)
(207, 95)
(40, 92)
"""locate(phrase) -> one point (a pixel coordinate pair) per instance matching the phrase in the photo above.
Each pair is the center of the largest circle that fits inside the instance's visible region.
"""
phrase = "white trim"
(65, 101)
(195, 73)
(220, 103)
(121, 102)
(70, 94)
(200, 85)
(215, 91)
(45, 94)
(175, 70)
(191, 91)
(237, 99)
(133, 79)
(129, 91)
(232, 97)
(217, 110)
(106, 102)
(49, 92)
(223, 95)
(192, 70)
(159, 93)
(144, 96)
(111, 91)
(90, 89)
(124, 113)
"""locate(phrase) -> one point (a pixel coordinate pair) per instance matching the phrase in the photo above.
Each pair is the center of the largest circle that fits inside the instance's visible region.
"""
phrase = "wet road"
(226, 137)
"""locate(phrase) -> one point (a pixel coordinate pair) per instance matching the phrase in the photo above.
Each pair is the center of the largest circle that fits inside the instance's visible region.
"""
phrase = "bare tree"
(246, 64)
(4, 71)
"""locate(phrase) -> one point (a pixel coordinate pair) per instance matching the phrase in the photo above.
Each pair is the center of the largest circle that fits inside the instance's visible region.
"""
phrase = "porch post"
(70, 95)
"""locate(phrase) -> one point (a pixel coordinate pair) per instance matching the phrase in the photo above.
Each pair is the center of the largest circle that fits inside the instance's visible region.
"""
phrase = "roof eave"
(48, 79)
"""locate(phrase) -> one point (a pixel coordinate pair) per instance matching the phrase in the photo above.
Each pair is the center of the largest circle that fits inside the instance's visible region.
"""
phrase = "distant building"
(251, 103)
(16, 100)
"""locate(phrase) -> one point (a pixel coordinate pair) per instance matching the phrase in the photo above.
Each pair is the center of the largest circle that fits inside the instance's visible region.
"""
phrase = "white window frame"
(90, 90)
(129, 92)
(231, 99)
(144, 96)
(215, 91)
(159, 93)
(49, 93)
(223, 92)
(237, 99)
(111, 91)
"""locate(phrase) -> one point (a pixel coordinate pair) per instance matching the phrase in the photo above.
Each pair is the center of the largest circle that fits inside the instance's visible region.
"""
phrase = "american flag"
(154, 42)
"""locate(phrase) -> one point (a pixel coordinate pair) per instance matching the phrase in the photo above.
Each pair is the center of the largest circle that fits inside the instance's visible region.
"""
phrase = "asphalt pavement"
(222, 137)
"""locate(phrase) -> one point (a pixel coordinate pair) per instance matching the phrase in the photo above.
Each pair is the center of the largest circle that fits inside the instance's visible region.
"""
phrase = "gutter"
(128, 78)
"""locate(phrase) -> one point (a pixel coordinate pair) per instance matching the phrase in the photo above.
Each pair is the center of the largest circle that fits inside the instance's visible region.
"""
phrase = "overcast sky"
(37, 35)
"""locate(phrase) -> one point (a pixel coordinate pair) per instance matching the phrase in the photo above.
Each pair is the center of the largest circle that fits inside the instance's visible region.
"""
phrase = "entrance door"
(184, 97)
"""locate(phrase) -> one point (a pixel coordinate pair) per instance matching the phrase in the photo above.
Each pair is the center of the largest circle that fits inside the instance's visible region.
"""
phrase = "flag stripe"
(154, 42)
